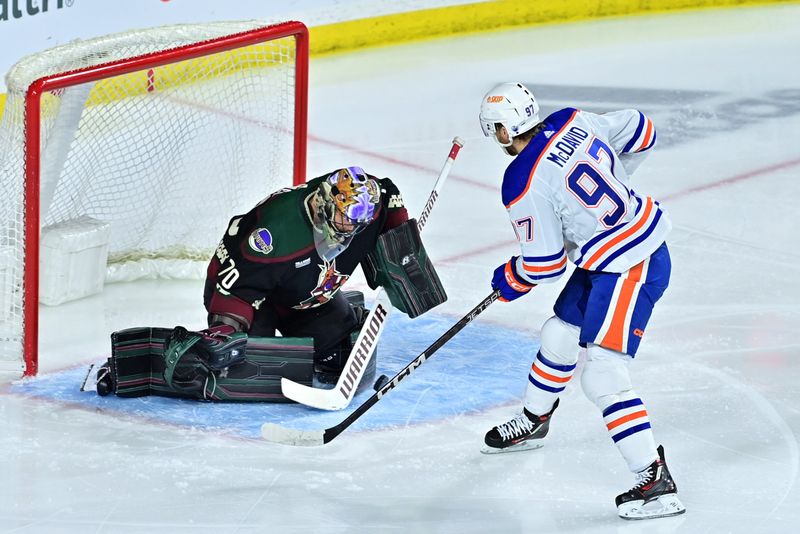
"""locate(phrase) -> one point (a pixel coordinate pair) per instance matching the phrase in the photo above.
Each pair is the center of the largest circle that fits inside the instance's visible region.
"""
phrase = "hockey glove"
(190, 356)
(511, 285)
(221, 346)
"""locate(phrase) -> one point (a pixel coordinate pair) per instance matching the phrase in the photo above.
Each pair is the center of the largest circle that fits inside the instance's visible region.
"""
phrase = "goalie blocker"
(400, 264)
(174, 362)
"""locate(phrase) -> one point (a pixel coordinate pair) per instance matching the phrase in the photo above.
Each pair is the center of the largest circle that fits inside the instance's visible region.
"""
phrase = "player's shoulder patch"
(260, 240)
(391, 192)
(396, 201)
(279, 229)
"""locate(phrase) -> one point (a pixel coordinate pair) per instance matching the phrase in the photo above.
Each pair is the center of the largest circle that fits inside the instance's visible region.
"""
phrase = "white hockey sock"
(546, 381)
(629, 426)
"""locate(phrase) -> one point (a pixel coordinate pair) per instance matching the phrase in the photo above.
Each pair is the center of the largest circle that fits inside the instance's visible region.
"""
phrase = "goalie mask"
(511, 105)
(343, 205)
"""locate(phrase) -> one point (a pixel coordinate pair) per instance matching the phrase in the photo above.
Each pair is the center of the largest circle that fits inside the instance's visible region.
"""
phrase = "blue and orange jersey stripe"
(644, 137)
(602, 249)
(540, 267)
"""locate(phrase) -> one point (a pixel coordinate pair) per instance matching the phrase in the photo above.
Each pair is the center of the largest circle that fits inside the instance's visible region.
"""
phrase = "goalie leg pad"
(268, 359)
(137, 362)
(137, 366)
(400, 264)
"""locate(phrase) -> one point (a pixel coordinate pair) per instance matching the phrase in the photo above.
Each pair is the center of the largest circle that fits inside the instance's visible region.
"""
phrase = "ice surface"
(719, 368)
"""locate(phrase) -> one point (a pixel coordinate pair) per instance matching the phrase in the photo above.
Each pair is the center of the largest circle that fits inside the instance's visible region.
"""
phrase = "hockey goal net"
(159, 136)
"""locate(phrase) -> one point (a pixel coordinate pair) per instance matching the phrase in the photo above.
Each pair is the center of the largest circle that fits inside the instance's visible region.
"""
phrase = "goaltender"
(279, 269)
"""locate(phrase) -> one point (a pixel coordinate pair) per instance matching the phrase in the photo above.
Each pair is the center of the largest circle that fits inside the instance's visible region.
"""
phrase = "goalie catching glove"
(191, 357)
(402, 267)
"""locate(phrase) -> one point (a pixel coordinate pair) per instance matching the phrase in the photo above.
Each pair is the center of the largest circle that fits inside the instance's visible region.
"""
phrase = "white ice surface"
(719, 368)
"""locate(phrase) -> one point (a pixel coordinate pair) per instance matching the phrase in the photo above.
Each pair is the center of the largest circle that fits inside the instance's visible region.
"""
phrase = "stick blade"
(323, 399)
(291, 436)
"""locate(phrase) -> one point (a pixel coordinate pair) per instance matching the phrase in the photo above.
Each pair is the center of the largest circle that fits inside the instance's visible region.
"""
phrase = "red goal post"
(206, 116)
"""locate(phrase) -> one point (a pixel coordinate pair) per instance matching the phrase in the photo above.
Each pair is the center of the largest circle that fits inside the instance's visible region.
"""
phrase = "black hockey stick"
(291, 436)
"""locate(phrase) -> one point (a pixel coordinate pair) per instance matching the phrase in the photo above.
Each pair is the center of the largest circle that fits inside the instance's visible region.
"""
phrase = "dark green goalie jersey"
(268, 255)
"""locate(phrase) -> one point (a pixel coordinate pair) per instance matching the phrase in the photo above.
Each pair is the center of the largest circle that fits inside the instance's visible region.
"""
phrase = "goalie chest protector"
(402, 267)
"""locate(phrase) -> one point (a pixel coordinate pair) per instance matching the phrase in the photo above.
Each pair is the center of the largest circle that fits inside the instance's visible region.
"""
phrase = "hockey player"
(279, 269)
(568, 195)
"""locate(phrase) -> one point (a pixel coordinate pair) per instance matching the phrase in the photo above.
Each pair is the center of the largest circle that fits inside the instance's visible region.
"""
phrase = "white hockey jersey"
(568, 195)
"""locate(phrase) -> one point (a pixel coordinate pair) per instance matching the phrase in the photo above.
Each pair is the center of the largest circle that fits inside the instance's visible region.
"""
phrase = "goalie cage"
(155, 137)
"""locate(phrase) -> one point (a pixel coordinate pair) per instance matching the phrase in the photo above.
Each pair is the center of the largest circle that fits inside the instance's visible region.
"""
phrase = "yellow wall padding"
(438, 22)
(488, 16)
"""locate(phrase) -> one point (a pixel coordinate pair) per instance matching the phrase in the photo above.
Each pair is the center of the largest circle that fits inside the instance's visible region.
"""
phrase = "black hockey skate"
(102, 377)
(654, 495)
(105, 380)
(522, 433)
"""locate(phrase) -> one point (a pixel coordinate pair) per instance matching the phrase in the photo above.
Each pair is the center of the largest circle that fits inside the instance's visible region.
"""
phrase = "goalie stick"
(309, 438)
(342, 393)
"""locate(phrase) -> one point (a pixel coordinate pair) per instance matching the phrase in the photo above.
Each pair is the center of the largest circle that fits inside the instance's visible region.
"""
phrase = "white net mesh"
(164, 155)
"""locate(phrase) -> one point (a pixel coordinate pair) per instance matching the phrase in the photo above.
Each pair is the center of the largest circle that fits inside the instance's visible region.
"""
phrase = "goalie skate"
(524, 432)
(654, 495)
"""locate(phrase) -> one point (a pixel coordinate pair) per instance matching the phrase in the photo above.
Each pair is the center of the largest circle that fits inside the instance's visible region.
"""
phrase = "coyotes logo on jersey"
(329, 282)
